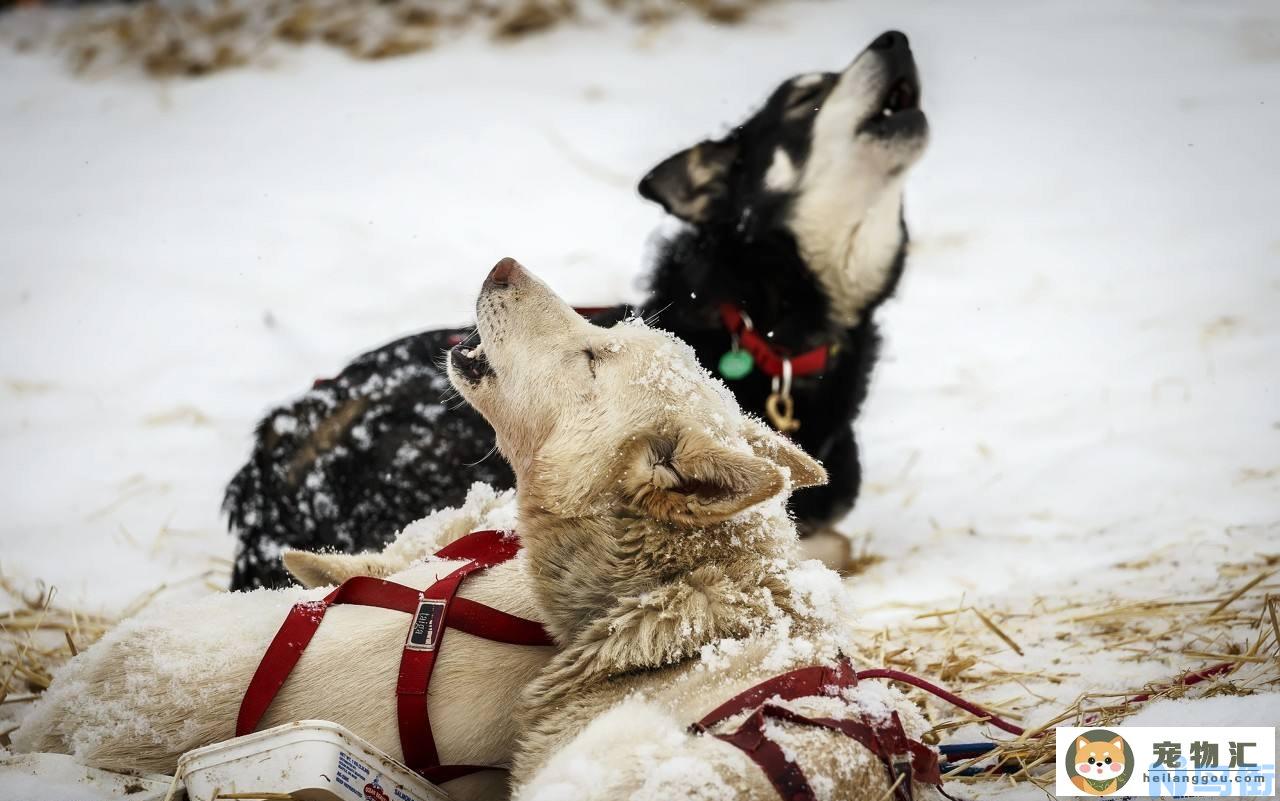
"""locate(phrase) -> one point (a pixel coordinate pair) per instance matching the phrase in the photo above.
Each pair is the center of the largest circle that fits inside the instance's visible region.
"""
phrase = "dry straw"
(1018, 662)
(190, 37)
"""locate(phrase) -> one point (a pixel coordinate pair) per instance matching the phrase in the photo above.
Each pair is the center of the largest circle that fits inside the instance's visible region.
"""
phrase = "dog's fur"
(661, 557)
(172, 679)
(795, 216)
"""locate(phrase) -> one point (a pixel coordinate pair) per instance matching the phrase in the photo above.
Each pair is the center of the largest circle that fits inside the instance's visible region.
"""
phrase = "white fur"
(662, 558)
(849, 197)
(172, 678)
(635, 751)
(781, 175)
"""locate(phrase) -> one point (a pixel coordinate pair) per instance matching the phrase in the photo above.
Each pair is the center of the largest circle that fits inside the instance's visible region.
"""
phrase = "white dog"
(172, 678)
(662, 559)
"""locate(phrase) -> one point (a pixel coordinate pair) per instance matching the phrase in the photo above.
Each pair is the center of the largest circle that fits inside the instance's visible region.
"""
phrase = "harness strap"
(786, 776)
(484, 621)
(489, 547)
(815, 680)
(902, 757)
(295, 634)
(945, 695)
(417, 662)
(887, 739)
(447, 773)
(432, 610)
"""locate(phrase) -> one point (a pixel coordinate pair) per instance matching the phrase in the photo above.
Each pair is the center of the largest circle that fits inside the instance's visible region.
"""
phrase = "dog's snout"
(891, 40)
(502, 272)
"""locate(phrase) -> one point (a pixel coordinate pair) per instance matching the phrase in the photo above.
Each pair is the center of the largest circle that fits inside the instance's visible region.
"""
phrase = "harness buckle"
(900, 765)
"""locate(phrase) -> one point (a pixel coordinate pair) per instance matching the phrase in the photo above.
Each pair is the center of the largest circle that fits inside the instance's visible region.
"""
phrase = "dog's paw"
(836, 551)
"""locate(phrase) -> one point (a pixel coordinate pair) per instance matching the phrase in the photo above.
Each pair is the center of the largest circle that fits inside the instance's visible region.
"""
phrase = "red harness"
(766, 357)
(903, 757)
(431, 611)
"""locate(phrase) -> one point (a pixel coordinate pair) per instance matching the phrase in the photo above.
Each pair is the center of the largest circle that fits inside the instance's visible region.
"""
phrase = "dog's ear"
(325, 569)
(691, 478)
(1081, 744)
(805, 471)
(694, 182)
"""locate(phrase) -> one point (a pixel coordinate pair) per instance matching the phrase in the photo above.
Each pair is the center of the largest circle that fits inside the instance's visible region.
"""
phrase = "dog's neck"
(858, 264)
(622, 594)
(789, 279)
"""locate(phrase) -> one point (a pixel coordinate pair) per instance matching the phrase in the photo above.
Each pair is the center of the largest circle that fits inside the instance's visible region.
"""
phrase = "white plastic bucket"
(312, 760)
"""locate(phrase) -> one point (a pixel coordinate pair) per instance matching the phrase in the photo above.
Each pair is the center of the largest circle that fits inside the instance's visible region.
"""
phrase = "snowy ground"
(1081, 367)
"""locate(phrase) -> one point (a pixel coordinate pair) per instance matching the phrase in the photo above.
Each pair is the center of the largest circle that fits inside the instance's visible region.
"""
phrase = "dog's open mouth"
(470, 363)
(898, 112)
(903, 95)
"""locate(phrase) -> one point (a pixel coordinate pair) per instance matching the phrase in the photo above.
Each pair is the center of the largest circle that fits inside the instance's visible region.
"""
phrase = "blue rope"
(965, 749)
(962, 752)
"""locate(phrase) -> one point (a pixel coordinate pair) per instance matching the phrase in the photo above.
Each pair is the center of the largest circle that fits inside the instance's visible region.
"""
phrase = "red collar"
(768, 358)
(431, 611)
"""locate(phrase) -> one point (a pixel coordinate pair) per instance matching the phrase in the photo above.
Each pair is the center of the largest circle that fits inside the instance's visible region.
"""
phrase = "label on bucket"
(428, 621)
(354, 776)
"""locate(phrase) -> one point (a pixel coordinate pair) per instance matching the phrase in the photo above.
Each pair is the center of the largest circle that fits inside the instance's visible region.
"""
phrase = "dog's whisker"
(491, 452)
(653, 318)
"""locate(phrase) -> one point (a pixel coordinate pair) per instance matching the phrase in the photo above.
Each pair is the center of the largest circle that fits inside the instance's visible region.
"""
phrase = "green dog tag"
(736, 364)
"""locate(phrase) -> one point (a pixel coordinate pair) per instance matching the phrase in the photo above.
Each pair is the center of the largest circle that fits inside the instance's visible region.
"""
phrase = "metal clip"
(901, 770)
(780, 406)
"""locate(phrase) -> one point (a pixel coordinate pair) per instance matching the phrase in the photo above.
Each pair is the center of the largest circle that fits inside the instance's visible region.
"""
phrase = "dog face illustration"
(1100, 762)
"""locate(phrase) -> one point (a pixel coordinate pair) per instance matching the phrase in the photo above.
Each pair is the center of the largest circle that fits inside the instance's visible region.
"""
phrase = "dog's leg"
(830, 547)
(818, 507)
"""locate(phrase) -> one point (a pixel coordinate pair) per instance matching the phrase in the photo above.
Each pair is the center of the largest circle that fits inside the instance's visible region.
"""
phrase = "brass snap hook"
(780, 407)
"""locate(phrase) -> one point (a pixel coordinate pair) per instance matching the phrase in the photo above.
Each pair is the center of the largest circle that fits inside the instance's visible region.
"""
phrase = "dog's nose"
(891, 40)
(501, 273)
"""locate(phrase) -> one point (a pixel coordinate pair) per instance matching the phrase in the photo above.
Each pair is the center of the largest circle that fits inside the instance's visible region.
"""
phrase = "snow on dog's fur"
(794, 216)
(661, 557)
(172, 678)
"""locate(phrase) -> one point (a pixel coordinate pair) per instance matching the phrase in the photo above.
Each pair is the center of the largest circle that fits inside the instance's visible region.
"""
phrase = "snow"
(1079, 367)
(49, 776)
(1261, 709)
(483, 510)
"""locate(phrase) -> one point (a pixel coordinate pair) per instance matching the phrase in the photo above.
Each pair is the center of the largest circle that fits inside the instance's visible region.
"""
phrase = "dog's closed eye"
(591, 360)
(805, 98)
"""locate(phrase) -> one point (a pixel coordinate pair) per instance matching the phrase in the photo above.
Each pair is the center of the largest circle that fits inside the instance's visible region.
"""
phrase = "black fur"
(356, 458)
(769, 279)
(386, 442)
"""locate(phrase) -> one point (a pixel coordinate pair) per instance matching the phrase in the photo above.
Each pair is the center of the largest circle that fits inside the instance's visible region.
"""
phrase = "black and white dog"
(794, 236)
